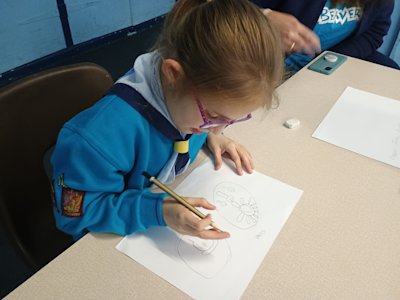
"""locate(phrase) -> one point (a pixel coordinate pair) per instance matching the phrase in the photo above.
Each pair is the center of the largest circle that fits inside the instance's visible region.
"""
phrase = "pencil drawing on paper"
(205, 257)
(236, 205)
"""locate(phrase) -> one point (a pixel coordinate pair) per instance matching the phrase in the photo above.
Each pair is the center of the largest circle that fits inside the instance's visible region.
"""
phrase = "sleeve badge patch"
(72, 202)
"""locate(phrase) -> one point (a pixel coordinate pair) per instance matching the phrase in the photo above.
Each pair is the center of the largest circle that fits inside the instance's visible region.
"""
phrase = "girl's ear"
(172, 70)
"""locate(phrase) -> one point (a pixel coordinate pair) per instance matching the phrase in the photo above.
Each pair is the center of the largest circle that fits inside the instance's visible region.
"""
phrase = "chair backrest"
(32, 112)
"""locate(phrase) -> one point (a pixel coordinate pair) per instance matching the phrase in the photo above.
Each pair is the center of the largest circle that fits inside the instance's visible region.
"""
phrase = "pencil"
(178, 198)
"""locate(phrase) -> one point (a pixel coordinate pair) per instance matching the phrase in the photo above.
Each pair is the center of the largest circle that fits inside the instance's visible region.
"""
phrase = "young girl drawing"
(215, 62)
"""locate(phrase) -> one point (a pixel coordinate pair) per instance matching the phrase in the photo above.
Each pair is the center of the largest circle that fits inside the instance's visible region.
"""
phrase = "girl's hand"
(182, 220)
(220, 146)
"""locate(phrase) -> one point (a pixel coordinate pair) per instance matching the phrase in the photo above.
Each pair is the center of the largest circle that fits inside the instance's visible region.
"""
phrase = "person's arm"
(295, 36)
(377, 25)
(90, 191)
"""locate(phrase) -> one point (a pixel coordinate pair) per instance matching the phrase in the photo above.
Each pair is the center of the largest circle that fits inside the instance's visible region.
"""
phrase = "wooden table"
(342, 241)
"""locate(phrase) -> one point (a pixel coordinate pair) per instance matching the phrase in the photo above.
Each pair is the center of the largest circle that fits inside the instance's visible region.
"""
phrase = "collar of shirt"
(144, 77)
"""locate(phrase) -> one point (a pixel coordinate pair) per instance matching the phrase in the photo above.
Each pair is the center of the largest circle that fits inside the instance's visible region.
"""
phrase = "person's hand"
(182, 220)
(221, 146)
(295, 36)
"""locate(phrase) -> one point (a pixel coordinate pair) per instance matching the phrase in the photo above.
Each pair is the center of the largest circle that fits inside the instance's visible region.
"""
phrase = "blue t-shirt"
(334, 25)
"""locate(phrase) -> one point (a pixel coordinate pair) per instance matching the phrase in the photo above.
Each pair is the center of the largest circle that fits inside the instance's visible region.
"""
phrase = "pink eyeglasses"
(216, 122)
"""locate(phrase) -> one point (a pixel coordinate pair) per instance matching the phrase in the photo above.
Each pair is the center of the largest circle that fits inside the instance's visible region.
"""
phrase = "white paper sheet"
(253, 208)
(364, 123)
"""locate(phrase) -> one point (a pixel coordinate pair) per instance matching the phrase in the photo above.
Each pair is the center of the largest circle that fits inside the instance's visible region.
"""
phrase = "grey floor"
(117, 58)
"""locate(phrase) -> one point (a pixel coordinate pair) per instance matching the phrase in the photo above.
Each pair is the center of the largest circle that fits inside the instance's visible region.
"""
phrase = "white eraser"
(291, 123)
(331, 58)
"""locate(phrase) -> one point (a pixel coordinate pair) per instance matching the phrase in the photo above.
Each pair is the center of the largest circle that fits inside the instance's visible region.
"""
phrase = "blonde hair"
(226, 47)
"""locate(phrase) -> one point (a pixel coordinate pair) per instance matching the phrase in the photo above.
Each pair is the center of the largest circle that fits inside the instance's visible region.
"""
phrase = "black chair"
(32, 112)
